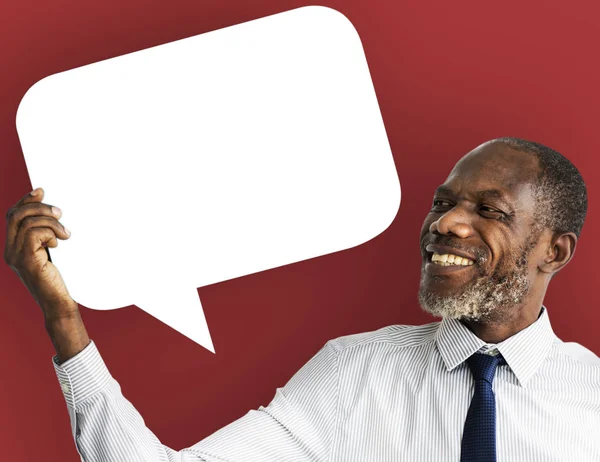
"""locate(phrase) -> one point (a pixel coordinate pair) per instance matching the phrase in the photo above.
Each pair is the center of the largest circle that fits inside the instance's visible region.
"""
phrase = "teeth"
(439, 258)
(450, 259)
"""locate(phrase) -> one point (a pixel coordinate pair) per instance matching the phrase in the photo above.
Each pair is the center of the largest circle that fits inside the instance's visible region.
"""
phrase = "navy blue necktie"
(479, 437)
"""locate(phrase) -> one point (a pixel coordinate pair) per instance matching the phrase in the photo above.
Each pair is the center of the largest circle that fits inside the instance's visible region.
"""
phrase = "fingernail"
(56, 211)
(36, 191)
(67, 231)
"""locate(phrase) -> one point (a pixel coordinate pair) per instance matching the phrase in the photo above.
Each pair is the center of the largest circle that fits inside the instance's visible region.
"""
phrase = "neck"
(498, 330)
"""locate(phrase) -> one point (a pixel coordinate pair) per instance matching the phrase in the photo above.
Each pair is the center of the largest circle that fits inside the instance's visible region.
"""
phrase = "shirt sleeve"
(298, 425)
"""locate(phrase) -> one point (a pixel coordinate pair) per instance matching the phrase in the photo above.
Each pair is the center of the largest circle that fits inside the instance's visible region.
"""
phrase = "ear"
(560, 250)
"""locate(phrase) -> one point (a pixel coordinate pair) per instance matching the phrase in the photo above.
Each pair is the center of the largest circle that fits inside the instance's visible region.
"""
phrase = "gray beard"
(486, 298)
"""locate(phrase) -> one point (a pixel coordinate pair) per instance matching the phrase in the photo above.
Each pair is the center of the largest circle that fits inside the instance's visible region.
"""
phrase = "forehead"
(495, 166)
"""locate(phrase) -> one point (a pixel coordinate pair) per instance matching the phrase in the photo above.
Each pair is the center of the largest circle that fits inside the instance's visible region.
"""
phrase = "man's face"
(484, 214)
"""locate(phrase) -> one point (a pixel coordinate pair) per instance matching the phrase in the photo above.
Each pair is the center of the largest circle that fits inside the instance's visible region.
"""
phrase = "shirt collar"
(524, 352)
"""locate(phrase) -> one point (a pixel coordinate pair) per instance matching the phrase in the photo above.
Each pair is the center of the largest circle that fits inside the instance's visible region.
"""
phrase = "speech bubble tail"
(180, 310)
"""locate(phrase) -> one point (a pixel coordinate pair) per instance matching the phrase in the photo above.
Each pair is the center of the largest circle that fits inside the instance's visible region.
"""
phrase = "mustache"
(448, 241)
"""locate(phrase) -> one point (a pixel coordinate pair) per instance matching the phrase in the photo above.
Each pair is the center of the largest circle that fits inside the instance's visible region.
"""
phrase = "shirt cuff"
(82, 376)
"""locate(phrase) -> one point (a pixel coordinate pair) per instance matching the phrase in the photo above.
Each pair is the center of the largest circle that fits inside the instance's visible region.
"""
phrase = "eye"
(485, 208)
(441, 204)
(491, 212)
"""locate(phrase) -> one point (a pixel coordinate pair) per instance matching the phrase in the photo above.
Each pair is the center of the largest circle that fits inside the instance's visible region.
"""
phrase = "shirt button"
(65, 387)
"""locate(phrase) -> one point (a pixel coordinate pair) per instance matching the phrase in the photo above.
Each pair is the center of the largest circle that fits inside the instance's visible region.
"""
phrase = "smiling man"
(490, 382)
(504, 222)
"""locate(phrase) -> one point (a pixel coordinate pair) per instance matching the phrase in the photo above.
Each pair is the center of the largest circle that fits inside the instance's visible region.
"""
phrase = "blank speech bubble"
(210, 158)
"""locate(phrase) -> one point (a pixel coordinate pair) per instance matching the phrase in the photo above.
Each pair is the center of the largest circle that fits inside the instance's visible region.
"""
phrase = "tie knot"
(483, 367)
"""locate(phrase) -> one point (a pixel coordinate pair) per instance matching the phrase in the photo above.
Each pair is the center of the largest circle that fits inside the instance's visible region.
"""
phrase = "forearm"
(298, 425)
(106, 427)
(66, 330)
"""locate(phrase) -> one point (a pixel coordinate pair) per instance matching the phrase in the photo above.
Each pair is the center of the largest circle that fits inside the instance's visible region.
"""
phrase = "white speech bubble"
(210, 158)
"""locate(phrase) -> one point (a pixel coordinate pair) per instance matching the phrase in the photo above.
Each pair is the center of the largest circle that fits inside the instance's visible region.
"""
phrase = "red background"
(448, 76)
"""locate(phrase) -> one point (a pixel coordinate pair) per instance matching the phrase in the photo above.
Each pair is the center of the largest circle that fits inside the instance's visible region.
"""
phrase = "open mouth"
(449, 259)
(446, 264)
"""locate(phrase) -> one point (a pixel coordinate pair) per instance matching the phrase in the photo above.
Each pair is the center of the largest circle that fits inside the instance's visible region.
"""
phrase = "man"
(489, 382)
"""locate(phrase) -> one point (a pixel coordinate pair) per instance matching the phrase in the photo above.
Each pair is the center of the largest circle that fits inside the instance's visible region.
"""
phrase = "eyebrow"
(493, 194)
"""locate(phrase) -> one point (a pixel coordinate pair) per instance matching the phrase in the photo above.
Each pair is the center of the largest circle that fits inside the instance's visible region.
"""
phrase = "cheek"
(505, 251)
(425, 227)
(513, 254)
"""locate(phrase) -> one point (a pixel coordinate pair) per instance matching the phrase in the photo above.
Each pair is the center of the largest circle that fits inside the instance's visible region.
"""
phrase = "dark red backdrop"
(448, 75)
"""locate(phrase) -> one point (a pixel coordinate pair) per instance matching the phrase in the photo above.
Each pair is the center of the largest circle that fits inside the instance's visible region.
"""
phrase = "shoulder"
(578, 353)
(398, 336)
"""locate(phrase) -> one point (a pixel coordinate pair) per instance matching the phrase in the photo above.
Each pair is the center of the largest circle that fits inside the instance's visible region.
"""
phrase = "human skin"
(489, 230)
(486, 210)
(31, 226)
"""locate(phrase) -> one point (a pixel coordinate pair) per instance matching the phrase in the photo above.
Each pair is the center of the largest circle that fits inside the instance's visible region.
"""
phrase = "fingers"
(34, 196)
(39, 222)
(27, 206)
(35, 241)
(31, 227)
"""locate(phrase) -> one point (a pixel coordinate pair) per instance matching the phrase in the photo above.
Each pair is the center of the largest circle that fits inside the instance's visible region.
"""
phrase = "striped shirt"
(397, 394)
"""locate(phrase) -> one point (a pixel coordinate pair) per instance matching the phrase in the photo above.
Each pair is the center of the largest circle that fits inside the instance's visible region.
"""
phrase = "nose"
(454, 222)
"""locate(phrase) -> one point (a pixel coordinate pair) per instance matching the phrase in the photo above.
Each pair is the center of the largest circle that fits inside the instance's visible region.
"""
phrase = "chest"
(393, 414)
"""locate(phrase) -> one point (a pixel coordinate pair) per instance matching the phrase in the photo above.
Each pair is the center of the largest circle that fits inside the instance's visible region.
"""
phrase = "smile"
(449, 259)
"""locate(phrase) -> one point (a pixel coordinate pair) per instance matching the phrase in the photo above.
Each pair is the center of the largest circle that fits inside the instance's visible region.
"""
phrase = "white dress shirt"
(397, 394)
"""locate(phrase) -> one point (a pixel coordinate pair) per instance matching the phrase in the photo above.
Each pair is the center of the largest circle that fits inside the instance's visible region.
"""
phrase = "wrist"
(60, 311)
(62, 322)
(68, 334)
